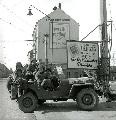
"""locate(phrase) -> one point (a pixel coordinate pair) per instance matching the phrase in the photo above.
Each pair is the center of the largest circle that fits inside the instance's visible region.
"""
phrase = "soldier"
(17, 80)
(24, 70)
(40, 70)
(46, 78)
(31, 70)
(19, 70)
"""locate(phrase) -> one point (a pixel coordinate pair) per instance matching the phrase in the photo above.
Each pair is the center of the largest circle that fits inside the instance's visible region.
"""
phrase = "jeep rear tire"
(87, 99)
(27, 102)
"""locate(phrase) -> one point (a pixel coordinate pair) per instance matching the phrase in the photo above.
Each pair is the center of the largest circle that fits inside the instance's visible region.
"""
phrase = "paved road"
(69, 111)
(53, 111)
(9, 109)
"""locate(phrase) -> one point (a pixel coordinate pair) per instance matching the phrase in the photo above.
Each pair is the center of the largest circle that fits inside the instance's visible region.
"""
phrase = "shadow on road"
(72, 106)
(106, 106)
(57, 107)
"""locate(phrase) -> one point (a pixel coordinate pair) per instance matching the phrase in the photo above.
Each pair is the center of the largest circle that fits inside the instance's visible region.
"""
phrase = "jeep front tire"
(27, 102)
(87, 99)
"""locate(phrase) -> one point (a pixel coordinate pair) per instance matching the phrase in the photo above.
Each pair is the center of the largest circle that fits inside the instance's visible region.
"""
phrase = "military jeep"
(82, 90)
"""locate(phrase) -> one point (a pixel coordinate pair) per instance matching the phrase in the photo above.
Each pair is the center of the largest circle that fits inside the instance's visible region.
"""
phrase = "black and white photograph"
(57, 60)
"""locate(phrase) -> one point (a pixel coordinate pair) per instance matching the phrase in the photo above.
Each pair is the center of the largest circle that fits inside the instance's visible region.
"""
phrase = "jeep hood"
(81, 80)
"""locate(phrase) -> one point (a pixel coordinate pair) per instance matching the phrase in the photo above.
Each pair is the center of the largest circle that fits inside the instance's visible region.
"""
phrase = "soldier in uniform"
(17, 80)
(19, 70)
(46, 77)
(31, 70)
(40, 70)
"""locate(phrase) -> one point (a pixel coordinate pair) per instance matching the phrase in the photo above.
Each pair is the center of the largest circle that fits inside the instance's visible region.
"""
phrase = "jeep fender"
(30, 90)
(76, 88)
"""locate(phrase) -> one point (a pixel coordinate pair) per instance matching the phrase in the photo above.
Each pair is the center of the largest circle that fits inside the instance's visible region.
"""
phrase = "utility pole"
(105, 58)
(46, 54)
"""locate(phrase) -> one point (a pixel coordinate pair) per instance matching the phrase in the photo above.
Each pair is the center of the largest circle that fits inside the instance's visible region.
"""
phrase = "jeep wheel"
(27, 102)
(87, 99)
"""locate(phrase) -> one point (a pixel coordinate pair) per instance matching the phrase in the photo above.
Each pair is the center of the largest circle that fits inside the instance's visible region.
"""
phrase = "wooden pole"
(46, 56)
(105, 60)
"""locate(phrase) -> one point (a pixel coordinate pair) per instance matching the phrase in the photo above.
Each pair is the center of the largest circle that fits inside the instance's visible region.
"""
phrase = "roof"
(58, 13)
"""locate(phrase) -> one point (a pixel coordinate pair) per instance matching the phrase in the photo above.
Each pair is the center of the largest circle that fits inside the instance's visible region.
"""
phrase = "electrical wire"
(90, 32)
(10, 23)
(109, 5)
(4, 6)
(40, 11)
(112, 23)
(13, 41)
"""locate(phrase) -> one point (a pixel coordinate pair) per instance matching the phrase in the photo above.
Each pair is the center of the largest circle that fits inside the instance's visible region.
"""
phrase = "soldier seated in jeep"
(31, 69)
(47, 78)
(50, 81)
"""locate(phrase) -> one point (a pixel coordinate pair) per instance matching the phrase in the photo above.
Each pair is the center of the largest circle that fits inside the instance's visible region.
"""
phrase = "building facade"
(50, 37)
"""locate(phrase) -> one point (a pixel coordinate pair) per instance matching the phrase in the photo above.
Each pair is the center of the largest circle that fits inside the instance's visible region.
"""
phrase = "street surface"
(53, 110)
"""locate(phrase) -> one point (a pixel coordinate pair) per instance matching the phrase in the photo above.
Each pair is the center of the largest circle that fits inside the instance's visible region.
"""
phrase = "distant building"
(4, 71)
(55, 28)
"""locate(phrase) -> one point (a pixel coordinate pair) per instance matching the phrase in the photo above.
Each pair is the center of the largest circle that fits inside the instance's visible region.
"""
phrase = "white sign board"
(82, 55)
(60, 34)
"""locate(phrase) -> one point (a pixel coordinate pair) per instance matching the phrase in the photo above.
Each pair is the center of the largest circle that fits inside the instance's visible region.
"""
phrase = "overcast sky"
(16, 26)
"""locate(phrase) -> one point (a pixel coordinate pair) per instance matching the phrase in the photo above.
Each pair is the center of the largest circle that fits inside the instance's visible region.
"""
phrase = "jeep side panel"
(77, 88)
(61, 92)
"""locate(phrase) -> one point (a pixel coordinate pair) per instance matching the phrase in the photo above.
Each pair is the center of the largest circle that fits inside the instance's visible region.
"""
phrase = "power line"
(40, 11)
(5, 21)
(10, 23)
(111, 15)
(114, 26)
(4, 6)
(110, 10)
(14, 41)
(90, 32)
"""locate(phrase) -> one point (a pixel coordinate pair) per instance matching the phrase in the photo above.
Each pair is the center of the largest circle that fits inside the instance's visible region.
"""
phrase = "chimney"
(55, 8)
(60, 5)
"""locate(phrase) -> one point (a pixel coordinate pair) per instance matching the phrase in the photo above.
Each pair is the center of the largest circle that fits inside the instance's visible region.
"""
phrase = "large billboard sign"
(82, 54)
(60, 34)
